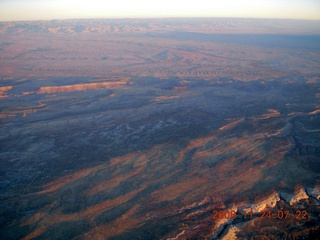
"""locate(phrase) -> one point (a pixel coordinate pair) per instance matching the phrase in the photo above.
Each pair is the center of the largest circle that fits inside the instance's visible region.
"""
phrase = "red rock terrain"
(159, 129)
(81, 87)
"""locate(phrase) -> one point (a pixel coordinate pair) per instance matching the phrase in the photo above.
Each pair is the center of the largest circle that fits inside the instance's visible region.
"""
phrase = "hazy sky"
(61, 9)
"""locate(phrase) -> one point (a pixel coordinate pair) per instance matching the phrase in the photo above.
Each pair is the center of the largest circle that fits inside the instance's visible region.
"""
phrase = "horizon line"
(180, 17)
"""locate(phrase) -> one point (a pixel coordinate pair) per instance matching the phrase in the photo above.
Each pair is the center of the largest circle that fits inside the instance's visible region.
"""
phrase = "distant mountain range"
(205, 25)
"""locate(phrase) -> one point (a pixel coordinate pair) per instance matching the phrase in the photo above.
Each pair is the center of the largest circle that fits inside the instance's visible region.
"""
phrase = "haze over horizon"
(26, 10)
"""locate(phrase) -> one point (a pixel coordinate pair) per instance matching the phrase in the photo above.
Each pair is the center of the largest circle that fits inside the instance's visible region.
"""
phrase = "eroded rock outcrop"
(269, 201)
(314, 192)
(81, 87)
(294, 198)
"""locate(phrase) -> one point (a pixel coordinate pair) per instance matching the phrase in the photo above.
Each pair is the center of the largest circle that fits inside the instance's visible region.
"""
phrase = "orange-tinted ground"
(142, 130)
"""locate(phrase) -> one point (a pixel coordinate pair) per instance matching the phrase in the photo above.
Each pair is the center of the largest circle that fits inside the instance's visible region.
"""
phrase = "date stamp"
(248, 214)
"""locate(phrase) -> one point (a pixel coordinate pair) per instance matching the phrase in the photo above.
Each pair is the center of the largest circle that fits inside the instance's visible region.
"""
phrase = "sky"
(20, 10)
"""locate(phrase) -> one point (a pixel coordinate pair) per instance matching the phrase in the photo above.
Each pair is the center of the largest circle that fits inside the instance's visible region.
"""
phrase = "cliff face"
(81, 87)
(273, 213)
(294, 198)
(269, 202)
(314, 192)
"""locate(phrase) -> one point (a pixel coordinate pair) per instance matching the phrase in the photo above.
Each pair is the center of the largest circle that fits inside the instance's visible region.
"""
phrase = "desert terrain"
(160, 129)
